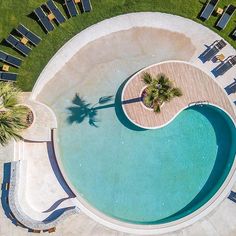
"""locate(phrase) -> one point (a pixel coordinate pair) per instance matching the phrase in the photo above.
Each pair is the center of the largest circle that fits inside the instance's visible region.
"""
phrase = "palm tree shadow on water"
(81, 110)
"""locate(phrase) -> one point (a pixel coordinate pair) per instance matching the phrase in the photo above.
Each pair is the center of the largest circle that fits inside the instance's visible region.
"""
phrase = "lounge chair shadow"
(202, 55)
(4, 196)
(57, 213)
(215, 71)
(231, 88)
(62, 3)
(34, 17)
(5, 43)
(200, 12)
(57, 171)
(5, 193)
(232, 196)
(56, 204)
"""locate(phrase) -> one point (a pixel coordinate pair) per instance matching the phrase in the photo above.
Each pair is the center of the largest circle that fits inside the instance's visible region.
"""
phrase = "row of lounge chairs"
(46, 19)
(21, 46)
(211, 52)
(28, 36)
(225, 17)
(54, 13)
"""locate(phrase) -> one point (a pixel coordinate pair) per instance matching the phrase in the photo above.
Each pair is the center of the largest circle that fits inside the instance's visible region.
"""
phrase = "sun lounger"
(33, 38)
(7, 76)
(70, 5)
(55, 11)
(224, 19)
(209, 54)
(226, 66)
(14, 42)
(14, 61)
(206, 13)
(44, 19)
(86, 5)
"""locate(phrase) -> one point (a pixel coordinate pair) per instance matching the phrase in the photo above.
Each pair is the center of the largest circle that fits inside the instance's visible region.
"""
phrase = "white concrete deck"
(220, 222)
(44, 120)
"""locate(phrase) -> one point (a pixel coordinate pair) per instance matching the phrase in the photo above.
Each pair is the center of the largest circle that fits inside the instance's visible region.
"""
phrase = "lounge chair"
(86, 5)
(33, 38)
(211, 52)
(224, 19)
(209, 8)
(71, 7)
(44, 19)
(55, 11)
(14, 61)
(8, 76)
(226, 66)
(14, 42)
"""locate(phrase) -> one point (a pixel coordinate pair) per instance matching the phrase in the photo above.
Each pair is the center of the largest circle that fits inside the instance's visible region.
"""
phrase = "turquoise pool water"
(145, 176)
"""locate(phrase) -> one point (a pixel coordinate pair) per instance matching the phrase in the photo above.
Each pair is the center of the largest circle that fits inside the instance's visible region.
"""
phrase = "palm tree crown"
(13, 117)
(159, 90)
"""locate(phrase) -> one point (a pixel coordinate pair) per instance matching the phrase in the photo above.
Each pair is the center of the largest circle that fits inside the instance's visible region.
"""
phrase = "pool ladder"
(198, 103)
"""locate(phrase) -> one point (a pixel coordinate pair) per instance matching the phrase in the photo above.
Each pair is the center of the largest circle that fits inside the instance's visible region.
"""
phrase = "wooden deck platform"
(195, 84)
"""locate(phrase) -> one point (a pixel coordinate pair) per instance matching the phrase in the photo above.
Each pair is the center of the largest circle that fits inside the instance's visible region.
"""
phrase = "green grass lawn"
(13, 12)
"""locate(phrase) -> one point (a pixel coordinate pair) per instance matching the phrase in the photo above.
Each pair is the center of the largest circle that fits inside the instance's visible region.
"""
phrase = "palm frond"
(147, 78)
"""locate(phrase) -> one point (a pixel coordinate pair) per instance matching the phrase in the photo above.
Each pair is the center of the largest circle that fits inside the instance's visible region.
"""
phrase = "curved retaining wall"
(24, 219)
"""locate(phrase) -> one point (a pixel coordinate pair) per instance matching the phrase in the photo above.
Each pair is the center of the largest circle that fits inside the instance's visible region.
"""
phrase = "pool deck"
(37, 150)
(196, 85)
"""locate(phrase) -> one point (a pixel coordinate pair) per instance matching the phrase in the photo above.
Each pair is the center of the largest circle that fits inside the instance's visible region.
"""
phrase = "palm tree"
(13, 117)
(159, 90)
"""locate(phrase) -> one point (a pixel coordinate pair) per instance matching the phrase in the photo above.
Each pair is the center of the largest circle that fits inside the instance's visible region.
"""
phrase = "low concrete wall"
(51, 221)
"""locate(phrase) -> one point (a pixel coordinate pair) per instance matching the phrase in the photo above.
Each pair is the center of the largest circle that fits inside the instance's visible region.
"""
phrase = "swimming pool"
(107, 166)
(144, 176)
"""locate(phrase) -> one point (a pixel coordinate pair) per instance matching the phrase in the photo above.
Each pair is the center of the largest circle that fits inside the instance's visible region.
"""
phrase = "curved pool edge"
(193, 103)
(157, 229)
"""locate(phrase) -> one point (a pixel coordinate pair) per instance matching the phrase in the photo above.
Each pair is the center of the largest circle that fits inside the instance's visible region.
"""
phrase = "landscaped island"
(160, 89)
